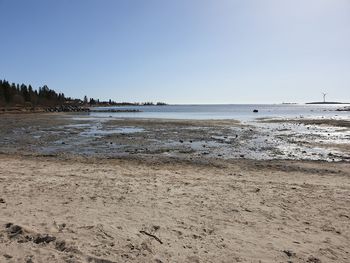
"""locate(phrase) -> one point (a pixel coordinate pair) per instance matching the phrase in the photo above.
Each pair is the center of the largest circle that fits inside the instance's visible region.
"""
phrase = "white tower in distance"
(324, 97)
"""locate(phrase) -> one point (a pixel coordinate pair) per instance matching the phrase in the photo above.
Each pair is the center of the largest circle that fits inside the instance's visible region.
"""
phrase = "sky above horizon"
(183, 51)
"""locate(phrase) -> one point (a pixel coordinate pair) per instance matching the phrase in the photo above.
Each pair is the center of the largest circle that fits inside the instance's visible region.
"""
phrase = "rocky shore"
(41, 109)
(68, 108)
(343, 109)
(61, 108)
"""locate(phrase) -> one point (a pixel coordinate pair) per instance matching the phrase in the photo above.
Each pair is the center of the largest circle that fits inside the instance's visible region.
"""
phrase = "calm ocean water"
(243, 112)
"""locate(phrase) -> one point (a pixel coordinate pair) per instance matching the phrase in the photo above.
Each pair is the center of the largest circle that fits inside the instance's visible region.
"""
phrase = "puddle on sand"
(98, 131)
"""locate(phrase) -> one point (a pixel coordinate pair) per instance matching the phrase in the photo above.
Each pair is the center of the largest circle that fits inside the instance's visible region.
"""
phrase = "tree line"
(12, 94)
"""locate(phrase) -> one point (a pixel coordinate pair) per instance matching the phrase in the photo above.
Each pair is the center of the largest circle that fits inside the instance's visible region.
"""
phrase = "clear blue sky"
(180, 51)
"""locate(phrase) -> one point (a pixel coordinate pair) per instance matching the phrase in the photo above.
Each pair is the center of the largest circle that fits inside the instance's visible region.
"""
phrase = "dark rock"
(343, 109)
(14, 230)
(7, 256)
(2, 201)
(43, 239)
(255, 111)
(7, 225)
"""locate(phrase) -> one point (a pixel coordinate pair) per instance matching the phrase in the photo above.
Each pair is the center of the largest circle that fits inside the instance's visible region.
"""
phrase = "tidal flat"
(70, 134)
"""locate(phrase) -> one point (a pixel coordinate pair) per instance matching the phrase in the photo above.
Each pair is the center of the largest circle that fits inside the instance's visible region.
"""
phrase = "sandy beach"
(171, 203)
(93, 210)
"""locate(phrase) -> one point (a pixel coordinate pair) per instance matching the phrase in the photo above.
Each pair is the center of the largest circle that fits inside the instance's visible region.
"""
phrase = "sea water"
(242, 112)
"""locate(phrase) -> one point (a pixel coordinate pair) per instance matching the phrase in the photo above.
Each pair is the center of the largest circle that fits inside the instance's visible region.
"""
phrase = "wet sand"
(324, 122)
(83, 135)
(110, 205)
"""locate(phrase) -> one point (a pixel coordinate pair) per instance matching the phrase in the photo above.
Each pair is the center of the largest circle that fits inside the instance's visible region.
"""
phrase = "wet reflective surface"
(65, 134)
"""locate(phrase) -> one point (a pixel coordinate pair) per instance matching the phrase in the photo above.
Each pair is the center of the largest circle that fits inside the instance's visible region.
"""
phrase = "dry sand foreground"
(54, 210)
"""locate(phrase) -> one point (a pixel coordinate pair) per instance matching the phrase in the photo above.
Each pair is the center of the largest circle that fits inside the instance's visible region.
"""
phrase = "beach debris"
(60, 227)
(313, 259)
(150, 235)
(144, 246)
(194, 236)
(16, 231)
(99, 260)
(343, 215)
(29, 259)
(2, 201)
(156, 228)
(60, 245)
(289, 253)
(7, 256)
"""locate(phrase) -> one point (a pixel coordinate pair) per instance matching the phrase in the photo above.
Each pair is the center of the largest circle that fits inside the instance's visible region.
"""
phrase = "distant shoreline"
(327, 102)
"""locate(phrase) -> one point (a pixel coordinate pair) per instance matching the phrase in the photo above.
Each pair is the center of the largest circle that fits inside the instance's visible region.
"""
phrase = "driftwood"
(148, 234)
